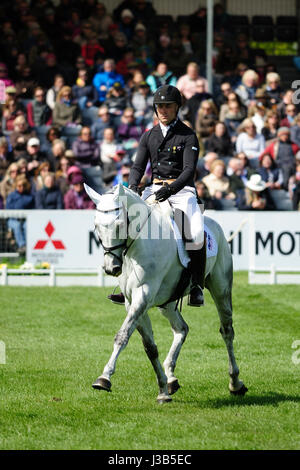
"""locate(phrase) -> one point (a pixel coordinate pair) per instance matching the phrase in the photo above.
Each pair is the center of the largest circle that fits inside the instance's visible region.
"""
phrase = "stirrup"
(117, 298)
(196, 297)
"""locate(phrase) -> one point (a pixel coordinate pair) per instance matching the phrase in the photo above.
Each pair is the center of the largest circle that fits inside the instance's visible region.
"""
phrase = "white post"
(251, 248)
(209, 43)
(273, 276)
(52, 278)
(100, 277)
(4, 276)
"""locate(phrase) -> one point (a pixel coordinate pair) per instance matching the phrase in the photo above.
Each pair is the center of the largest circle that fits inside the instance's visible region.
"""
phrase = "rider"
(173, 148)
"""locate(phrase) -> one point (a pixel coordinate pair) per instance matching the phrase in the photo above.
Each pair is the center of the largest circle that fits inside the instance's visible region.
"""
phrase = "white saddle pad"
(211, 245)
(183, 256)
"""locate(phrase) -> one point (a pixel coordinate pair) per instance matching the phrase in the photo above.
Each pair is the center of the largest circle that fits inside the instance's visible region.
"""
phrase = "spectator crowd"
(77, 84)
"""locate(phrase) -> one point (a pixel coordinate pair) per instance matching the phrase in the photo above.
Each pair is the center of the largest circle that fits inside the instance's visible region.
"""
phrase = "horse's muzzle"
(115, 271)
(112, 264)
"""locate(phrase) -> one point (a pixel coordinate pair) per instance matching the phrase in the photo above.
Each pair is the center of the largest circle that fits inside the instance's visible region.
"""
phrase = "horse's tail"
(234, 234)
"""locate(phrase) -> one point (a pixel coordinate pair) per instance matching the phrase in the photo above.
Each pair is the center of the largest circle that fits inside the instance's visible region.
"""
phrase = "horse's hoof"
(161, 399)
(240, 392)
(102, 384)
(173, 387)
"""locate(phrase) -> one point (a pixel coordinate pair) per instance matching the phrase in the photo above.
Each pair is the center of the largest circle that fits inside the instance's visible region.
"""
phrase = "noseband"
(110, 249)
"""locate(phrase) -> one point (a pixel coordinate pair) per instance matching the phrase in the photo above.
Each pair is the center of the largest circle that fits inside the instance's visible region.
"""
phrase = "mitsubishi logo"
(41, 244)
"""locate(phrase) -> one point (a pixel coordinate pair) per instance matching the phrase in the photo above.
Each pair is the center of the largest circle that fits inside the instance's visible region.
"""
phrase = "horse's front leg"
(135, 310)
(180, 330)
(144, 327)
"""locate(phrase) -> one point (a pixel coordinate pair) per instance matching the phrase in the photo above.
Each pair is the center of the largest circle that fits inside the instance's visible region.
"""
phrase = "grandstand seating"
(240, 24)
(155, 23)
(286, 20)
(25, 101)
(70, 134)
(262, 28)
(89, 115)
(281, 199)
(286, 28)
(228, 205)
(41, 132)
(93, 177)
(262, 19)
(181, 19)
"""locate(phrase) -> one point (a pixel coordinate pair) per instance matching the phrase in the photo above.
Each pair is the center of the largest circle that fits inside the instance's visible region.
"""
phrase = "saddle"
(185, 278)
(177, 222)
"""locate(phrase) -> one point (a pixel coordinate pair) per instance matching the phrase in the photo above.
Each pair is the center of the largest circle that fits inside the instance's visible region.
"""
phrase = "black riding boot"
(117, 298)
(197, 267)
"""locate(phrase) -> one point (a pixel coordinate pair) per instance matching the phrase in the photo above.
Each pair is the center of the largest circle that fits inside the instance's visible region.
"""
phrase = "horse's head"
(111, 224)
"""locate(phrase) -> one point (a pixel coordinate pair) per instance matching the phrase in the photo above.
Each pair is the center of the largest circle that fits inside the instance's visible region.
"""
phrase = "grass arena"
(56, 340)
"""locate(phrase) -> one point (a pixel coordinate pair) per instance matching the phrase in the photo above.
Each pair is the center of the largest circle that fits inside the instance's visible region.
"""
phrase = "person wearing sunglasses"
(66, 112)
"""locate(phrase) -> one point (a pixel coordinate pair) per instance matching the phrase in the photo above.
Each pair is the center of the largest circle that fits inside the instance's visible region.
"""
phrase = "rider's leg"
(186, 201)
(197, 266)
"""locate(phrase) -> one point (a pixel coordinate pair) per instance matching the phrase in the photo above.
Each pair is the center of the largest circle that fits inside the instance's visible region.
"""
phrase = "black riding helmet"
(167, 94)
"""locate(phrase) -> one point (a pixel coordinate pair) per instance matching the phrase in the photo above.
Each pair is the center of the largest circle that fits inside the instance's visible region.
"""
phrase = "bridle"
(110, 249)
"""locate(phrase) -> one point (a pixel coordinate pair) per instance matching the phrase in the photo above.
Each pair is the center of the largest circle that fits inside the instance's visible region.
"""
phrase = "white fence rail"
(55, 277)
(273, 275)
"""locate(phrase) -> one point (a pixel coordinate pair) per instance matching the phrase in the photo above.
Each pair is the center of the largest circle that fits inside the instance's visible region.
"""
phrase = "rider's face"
(166, 112)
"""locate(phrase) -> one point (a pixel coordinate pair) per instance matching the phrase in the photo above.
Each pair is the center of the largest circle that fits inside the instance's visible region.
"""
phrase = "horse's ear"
(95, 197)
(120, 190)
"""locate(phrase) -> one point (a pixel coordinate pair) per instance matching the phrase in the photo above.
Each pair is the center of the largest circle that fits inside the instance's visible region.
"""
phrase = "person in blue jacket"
(103, 81)
(50, 196)
(20, 198)
(161, 76)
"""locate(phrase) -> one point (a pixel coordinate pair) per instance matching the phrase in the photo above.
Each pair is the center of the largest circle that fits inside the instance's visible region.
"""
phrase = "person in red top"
(283, 151)
(90, 49)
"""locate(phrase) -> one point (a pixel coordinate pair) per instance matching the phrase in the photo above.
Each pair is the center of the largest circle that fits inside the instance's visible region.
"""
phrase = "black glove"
(134, 188)
(163, 193)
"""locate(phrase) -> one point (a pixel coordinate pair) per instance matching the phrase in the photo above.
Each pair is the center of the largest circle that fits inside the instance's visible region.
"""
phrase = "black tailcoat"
(172, 157)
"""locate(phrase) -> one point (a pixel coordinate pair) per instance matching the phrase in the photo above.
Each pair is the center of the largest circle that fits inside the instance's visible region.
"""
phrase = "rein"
(138, 231)
(111, 249)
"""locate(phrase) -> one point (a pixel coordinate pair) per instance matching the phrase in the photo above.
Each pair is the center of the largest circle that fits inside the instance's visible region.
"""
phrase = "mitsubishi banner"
(63, 238)
(66, 239)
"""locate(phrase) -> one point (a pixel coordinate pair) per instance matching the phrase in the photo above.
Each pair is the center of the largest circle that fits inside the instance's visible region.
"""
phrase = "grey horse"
(148, 269)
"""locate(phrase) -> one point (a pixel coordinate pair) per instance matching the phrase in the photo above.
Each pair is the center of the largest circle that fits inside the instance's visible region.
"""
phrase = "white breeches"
(186, 201)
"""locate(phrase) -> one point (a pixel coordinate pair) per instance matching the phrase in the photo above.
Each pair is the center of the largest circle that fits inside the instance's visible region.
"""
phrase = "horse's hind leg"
(180, 330)
(220, 285)
(144, 327)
